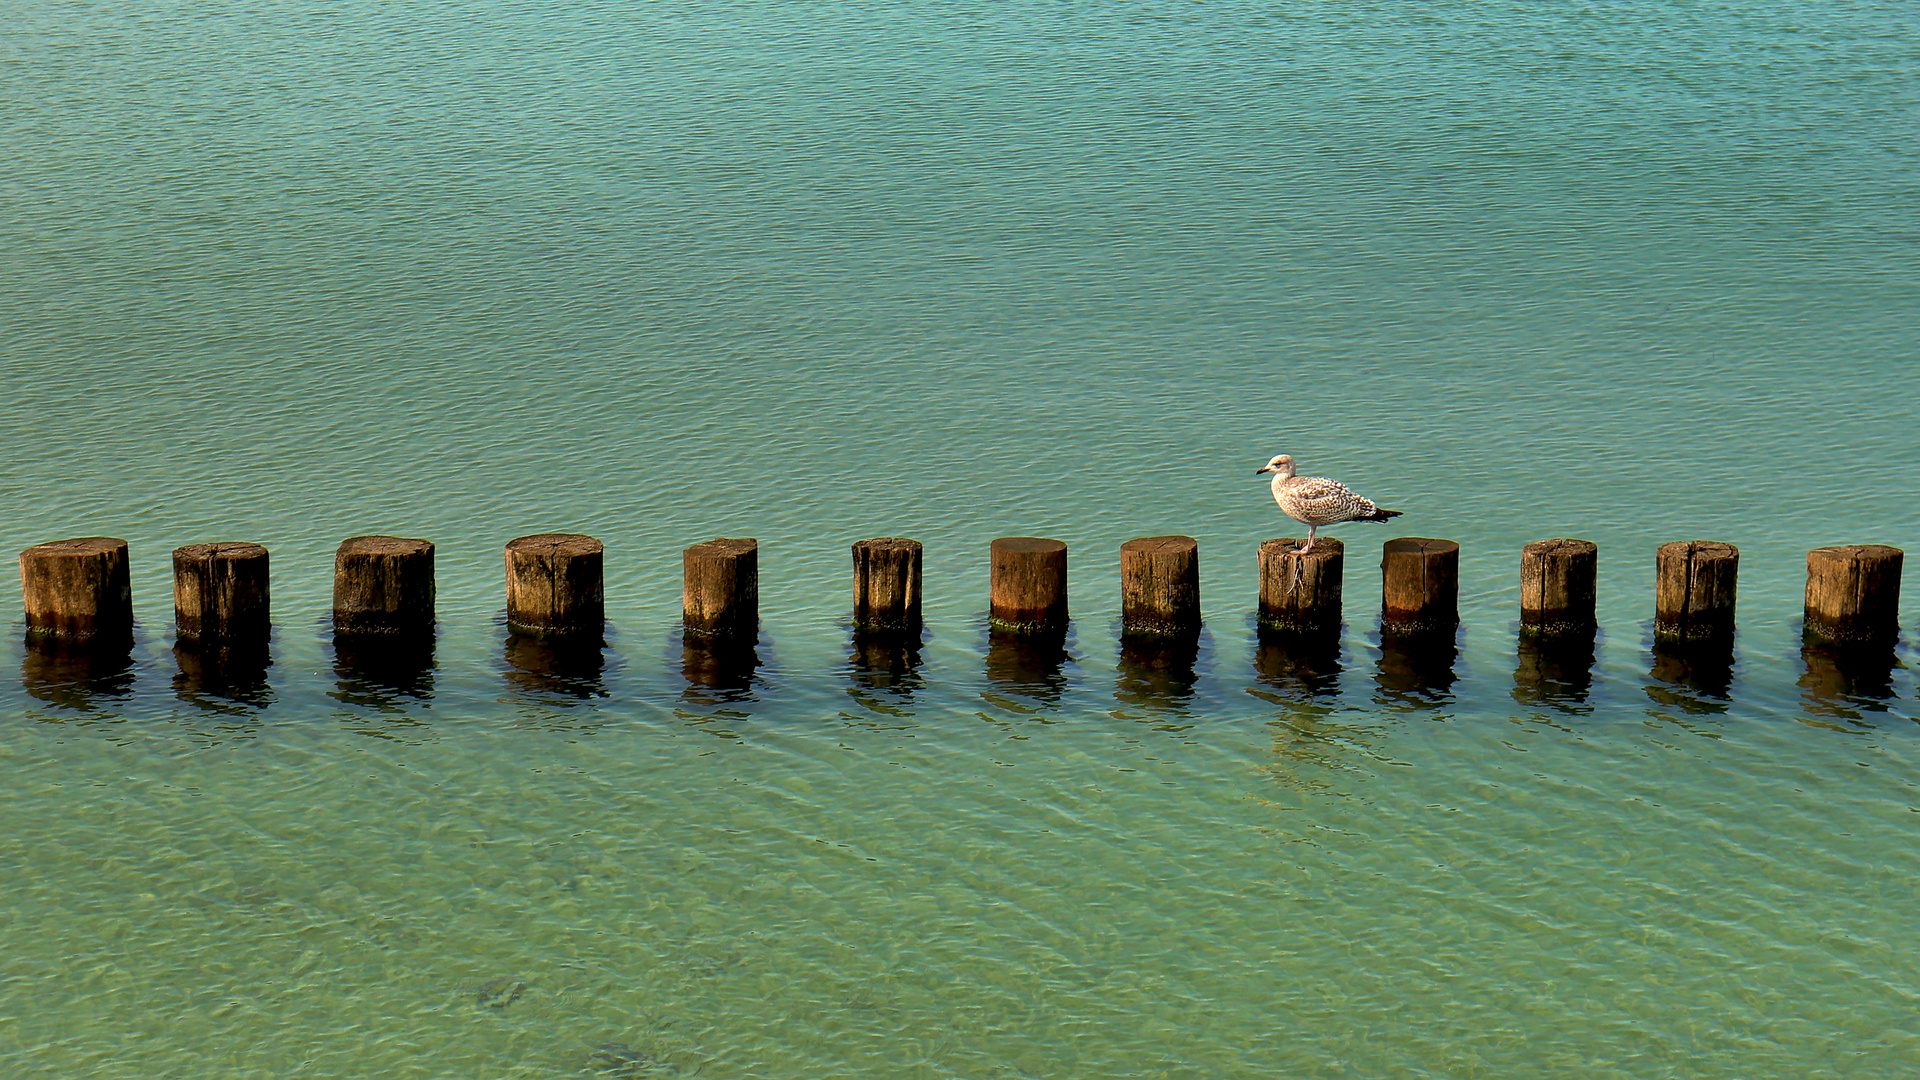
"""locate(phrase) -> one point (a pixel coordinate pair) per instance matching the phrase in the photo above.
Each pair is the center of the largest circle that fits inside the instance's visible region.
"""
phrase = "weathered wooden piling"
(556, 585)
(1853, 594)
(1160, 585)
(1557, 588)
(886, 586)
(721, 592)
(1420, 586)
(78, 590)
(1300, 593)
(383, 585)
(1695, 586)
(1029, 585)
(221, 595)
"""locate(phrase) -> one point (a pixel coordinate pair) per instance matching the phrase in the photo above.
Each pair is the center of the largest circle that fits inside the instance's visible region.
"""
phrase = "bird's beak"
(1257, 472)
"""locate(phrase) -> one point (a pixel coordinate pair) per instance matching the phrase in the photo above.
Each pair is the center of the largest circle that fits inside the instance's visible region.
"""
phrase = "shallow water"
(815, 273)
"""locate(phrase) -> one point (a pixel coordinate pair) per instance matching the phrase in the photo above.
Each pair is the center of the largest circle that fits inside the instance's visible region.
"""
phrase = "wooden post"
(1160, 585)
(78, 590)
(886, 586)
(1694, 591)
(556, 585)
(220, 594)
(1420, 581)
(1853, 594)
(721, 591)
(383, 585)
(1029, 584)
(1300, 594)
(1557, 587)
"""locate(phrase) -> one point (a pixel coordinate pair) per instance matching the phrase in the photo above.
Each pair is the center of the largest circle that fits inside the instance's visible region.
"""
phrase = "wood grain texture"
(720, 595)
(78, 590)
(1029, 584)
(886, 585)
(1160, 585)
(556, 585)
(1696, 584)
(1558, 585)
(1420, 586)
(1853, 594)
(221, 593)
(1301, 594)
(383, 585)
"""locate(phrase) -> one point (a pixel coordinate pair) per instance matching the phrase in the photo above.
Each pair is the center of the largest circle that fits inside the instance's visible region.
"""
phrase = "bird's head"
(1281, 463)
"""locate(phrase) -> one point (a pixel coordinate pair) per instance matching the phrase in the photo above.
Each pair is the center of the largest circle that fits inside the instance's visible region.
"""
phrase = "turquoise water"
(818, 272)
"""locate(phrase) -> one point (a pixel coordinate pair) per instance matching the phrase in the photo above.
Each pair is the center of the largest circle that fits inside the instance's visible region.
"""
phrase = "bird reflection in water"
(383, 671)
(84, 676)
(1846, 682)
(223, 677)
(1157, 670)
(1416, 670)
(719, 669)
(1555, 670)
(1693, 676)
(561, 665)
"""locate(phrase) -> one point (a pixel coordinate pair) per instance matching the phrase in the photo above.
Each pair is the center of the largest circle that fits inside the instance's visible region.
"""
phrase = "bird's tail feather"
(1381, 515)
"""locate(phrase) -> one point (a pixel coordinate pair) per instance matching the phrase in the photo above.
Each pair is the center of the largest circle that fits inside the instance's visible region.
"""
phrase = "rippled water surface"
(812, 273)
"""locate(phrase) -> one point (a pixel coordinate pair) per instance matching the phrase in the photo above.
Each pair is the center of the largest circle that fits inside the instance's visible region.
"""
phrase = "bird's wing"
(1330, 499)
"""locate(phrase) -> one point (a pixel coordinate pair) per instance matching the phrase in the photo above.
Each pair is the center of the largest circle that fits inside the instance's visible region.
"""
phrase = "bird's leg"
(1299, 565)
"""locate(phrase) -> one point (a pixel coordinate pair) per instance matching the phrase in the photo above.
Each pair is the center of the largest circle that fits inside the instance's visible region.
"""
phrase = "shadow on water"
(1299, 667)
(563, 666)
(1555, 671)
(1847, 683)
(887, 664)
(719, 670)
(383, 671)
(1416, 670)
(1156, 671)
(84, 676)
(1029, 666)
(223, 678)
(1692, 676)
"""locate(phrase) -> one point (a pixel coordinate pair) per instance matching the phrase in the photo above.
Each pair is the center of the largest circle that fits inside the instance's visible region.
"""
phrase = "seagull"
(1314, 501)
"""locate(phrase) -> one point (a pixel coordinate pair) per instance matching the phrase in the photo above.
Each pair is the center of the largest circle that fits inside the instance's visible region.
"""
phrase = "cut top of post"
(557, 545)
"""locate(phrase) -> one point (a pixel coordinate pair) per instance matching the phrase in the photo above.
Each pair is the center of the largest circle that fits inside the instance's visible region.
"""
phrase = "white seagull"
(1315, 501)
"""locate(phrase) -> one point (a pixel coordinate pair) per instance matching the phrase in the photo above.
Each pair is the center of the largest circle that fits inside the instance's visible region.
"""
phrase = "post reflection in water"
(1844, 684)
(719, 669)
(1301, 667)
(1555, 670)
(888, 663)
(77, 675)
(225, 678)
(1030, 665)
(1416, 670)
(381, 671)
(1694, 676)
(1157, 671)
(566, 665)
